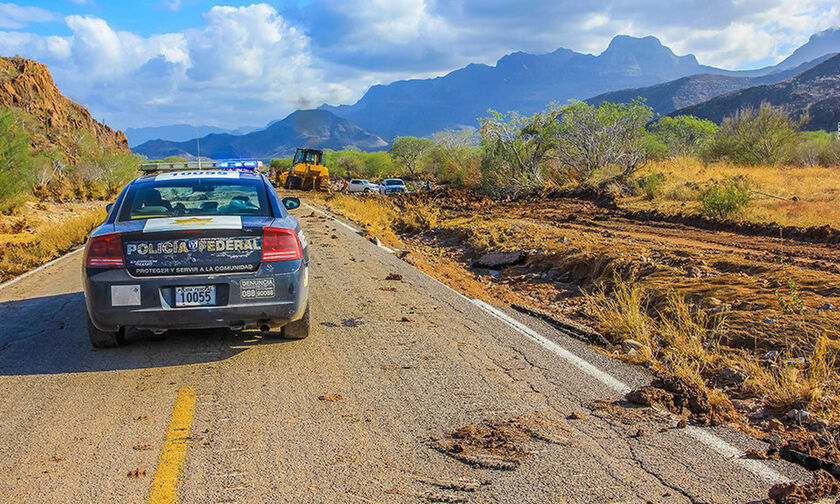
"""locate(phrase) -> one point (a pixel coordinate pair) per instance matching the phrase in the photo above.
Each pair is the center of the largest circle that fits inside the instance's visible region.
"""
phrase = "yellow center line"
(165, 483)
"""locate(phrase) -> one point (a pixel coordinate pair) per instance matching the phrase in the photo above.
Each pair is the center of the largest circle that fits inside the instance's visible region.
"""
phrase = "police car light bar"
(204, 165)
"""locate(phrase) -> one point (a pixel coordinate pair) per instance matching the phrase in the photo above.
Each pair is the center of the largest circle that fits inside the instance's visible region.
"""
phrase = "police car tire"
(299, 329)
(104, 339)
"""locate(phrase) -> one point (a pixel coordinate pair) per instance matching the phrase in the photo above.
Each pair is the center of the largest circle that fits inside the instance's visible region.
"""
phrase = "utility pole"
(198, 147)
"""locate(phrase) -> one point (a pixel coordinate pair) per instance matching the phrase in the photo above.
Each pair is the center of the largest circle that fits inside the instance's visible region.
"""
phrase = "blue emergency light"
(239, 165)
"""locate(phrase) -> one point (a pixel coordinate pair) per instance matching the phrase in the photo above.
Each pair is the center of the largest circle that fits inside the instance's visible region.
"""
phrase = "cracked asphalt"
(74, 422)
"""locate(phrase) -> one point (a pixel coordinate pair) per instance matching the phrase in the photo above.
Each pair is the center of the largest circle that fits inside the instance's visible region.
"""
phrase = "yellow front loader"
(307, 173)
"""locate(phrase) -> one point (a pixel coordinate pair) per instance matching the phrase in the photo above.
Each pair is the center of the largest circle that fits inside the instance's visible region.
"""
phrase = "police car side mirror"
(108, 207)
(291, 203)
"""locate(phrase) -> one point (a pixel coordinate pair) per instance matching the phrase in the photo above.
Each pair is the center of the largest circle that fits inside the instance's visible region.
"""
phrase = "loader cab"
(308, 156)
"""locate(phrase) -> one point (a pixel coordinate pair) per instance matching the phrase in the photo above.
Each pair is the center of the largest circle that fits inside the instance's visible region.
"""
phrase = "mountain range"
(178, 132)
(527, 83)
(318, 129)
(815, 92)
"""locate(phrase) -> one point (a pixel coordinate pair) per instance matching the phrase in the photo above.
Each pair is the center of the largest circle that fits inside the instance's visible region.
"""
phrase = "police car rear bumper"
(116, 299)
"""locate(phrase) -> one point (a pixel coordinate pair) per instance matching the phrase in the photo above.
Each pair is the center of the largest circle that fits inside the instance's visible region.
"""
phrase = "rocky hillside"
(27, 88)
(305, 128)
(816, 91)
(687, 91)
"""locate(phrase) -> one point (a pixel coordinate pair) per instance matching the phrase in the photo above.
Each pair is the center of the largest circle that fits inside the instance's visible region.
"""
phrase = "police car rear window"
(195, 196)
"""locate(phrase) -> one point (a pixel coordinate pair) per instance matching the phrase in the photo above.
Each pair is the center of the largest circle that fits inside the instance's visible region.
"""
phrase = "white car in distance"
(361, 186)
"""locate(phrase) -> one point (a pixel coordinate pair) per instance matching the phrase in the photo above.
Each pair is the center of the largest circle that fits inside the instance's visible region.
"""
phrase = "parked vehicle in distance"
(196, 249)
(361, 186)
(391, 186)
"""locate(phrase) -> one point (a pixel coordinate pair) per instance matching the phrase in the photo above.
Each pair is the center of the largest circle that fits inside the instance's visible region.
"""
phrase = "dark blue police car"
(197, 248)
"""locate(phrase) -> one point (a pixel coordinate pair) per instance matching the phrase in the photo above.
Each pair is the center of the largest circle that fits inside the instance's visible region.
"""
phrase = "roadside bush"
(726, 199)
(351, 162)
(409, 152)
(515, 148)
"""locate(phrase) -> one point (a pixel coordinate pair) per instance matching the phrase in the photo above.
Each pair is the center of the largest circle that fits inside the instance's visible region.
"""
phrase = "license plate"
(196, 295)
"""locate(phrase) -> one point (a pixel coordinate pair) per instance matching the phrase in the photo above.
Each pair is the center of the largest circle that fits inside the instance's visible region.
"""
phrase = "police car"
(188, 247)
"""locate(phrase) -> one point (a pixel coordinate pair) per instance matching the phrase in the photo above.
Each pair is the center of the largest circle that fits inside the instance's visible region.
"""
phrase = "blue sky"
(155, 62)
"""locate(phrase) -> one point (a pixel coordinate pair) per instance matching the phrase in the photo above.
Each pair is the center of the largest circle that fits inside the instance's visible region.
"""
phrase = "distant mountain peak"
(628, 42)
(819, 44)
(644, 48)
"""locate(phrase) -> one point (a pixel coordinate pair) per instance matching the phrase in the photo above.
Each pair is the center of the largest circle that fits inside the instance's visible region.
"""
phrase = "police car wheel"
(104, 339)
(299, 329)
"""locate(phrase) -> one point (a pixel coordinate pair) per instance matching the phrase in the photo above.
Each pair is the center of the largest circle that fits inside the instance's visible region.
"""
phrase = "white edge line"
(756, 467)
(39, 268)
(351, 228)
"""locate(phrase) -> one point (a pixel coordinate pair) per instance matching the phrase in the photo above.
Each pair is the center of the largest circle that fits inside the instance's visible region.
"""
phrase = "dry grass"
(686, 340)
(652, 291)
(377, 218)
(679, 335)
(816, 189)
(44, 240)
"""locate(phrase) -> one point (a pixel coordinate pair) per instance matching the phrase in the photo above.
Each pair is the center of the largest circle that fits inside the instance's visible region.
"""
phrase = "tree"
(585, 138)
(455, 158)
(17, 165)
(515, 148)
(410, 151)
(684, 135)
(766, 135)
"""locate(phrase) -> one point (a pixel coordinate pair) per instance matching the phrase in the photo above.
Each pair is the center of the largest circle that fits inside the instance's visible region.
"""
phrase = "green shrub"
(683, 135)
(17, 164)
(726, 199)
(652, 185)
(766, 135)
(817, 148)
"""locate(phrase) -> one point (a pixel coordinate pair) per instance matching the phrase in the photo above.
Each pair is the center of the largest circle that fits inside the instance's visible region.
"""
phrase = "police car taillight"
(280, 245)
(105, 251)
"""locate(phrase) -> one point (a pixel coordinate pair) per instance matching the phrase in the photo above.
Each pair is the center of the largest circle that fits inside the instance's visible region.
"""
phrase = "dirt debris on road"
(823, 485)
(502, 444)
(684, 399)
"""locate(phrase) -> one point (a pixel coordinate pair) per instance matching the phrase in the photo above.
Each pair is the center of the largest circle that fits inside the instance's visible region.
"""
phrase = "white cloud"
(15, 16)
(246, 65)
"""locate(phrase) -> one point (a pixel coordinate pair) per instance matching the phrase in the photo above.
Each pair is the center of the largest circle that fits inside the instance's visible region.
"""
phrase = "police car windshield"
(195, 196)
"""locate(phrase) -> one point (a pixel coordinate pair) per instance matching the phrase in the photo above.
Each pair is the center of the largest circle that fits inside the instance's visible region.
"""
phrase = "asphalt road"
(84, 425)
